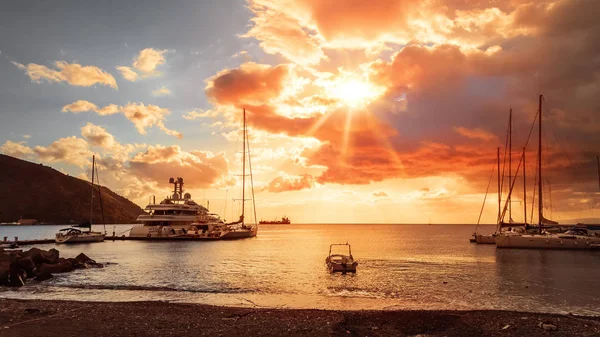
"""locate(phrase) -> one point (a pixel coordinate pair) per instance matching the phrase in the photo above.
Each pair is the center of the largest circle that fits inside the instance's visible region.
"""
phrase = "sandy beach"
(64, 318)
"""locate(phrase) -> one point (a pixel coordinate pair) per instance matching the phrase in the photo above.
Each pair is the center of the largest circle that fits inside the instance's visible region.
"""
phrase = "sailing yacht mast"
(92, 197)
(510, 164)
(499, 189)
(598, 159)
(244, 169)
(540, 195)
(524, 191)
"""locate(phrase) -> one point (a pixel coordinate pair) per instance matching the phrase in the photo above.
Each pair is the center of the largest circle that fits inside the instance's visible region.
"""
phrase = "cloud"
(282, 34)
(476, 133)
(141, 115)
(26, 136)
(251, 83)
(285, 183)
(80, 106)
(74, 74)
(128, 73)
(380, 194)
(201, 169)
(144, 65)
(70, 150)
(16, 149)
(148, 59)
(163, 91)
(199, 113)
(97, 136)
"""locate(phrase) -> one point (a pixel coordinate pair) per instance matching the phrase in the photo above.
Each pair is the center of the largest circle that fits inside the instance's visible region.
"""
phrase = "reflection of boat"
(76, 235)
(341, 262)
(284, 221)
(576, 238)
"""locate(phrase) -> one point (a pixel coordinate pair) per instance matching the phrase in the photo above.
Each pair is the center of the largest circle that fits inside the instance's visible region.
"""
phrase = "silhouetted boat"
(341, 262)
(284, 221)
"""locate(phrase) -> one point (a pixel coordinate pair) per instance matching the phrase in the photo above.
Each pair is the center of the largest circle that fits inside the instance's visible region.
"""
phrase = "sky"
(358, 111)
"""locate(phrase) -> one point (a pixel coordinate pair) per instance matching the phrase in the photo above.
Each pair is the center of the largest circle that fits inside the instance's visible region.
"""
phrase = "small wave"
(154, 288)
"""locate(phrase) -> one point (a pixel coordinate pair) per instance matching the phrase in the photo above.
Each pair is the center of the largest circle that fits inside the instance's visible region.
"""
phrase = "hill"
(35, 191)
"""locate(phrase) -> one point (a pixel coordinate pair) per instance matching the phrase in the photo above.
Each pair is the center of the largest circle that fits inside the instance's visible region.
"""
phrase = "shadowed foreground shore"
(64, 318)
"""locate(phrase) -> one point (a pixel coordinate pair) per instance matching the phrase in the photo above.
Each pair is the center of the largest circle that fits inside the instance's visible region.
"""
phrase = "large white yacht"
(174, 215)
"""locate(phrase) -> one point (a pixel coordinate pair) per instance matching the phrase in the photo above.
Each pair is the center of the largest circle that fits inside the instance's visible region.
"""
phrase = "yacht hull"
(157, 233)
(567, 242)
(485, 239)
(80, 238)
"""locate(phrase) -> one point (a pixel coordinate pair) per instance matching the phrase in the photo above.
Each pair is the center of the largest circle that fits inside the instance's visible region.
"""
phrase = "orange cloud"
(142, 116)
(70, 150)
(476, 133)
(74, 74)
(16, 149)
(145, 63)
(202, 169)
(128, 73)
(252, 83)
(285, 183)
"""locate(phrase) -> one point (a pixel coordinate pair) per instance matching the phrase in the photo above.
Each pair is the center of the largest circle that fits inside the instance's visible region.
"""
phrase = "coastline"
(74, 318)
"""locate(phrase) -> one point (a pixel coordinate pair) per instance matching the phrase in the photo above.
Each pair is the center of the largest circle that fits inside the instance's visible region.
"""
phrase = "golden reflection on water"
(400, 266)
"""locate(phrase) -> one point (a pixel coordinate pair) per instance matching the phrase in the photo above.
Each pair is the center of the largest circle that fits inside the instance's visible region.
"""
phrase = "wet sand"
(64, 318)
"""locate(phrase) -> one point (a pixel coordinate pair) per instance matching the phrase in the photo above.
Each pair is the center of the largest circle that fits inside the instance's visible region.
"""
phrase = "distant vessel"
(341, 262)
(284, 221)
(76, 235)
(576, 238)
(180, 217)
(27, 222)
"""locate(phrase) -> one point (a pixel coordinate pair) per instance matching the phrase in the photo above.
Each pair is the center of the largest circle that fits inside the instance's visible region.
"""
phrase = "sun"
(354, 93)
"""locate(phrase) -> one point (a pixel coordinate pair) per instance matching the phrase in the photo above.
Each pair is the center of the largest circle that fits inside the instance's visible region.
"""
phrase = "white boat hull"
(547, 242)
(82, 238)
(486, 239)
(185, 232)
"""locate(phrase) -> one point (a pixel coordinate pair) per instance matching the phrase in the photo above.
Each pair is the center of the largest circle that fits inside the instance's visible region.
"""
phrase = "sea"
(400, 267)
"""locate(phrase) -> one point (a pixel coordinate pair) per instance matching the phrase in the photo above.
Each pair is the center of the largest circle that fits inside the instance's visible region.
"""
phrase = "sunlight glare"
(354, 93)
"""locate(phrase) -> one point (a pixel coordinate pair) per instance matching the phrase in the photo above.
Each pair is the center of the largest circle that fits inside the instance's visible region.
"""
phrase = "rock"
(43, 277)
(26, 264)
(94, 265)
(3, 277)
(32, 311)
(63, 267)
(548, 326)
(52, 256)
(17, 278)
(83, 259)
(36, 255)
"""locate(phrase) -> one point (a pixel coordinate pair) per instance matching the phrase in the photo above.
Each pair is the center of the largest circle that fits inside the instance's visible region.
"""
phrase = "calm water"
(400, 267)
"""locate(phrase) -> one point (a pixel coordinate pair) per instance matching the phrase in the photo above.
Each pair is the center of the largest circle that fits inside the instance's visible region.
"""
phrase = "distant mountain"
(35, 191)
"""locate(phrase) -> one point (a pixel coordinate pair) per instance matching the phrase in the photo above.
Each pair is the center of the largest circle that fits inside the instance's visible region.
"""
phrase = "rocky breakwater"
(16, 267)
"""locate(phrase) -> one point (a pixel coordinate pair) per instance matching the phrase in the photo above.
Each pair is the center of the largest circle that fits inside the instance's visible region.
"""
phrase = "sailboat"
(82, 233)
(576, 238)
(240, 229)
(501, 225)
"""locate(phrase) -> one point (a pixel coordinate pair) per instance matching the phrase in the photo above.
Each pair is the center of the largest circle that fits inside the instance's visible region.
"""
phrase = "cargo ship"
(284, 221)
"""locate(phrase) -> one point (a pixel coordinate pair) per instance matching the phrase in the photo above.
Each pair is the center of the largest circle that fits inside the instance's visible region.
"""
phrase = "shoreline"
(77, 318)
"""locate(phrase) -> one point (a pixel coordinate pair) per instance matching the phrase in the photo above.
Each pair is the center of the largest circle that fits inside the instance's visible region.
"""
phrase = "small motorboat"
(341, 262)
